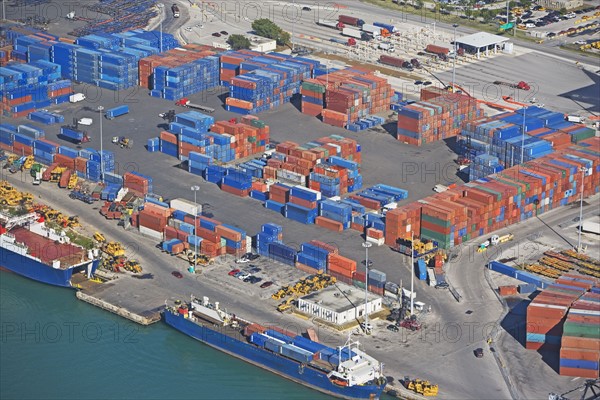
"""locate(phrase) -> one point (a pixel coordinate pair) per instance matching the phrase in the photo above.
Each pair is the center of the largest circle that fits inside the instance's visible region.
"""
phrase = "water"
(53, 346)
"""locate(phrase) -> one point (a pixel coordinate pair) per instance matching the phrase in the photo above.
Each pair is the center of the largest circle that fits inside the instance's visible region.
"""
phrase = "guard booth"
(482, 43)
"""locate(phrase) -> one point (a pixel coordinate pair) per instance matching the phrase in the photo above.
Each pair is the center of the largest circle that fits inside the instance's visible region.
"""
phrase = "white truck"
(85, 121)
(352, 32)
(495, 240)
(330, 23)
(576, 119)
(440, 188)
(387, 47)
(76, 97)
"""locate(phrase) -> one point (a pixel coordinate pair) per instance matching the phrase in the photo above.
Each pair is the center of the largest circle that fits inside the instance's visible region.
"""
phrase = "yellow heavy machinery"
(72, 181)
(56, 174)
(422, 387)
(286, 305)
(133, 266)
(281, 293)
(98, 237)
(114, 249)
(201, 259)
(11, 196)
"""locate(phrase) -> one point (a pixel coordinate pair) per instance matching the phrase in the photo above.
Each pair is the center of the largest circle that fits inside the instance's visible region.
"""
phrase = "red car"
(177, 274)
(233, 272)
(266, 284)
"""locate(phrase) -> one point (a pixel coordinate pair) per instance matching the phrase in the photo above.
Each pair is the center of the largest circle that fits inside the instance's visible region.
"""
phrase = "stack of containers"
(545, 315)
(380, 196)
(138, 183)
(152, 220)
(513, 195)
(501, 135)
(44, 151)
(234, 238)
(153, 145)
(266, 82)
(236, 182)
(230, 62)
(439, 115)
(25, 87)
(225, 141)
(334, 213)
(279, 195)
(46, 117)
(347, 98)
(313, 256)
(302, 204)
(484, 165)
(282, 253)
(269, 233)
(341, 268)
(580, 344)
(376, 281)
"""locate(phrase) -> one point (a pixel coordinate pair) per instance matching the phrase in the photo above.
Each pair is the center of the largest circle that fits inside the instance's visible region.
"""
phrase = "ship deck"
(47, 250)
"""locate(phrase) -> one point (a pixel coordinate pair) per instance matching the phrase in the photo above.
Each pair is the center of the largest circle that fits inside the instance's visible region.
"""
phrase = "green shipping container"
(436, 221)
(581, 330)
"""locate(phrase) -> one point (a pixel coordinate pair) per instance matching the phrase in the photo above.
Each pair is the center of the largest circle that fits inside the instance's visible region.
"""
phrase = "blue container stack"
(502, 137)
(153, 144)
(269, 233)
(181, 81)
(484, 165)
(167, 245)
(198, 163)
(369, 121)
(313, 256)
(337, 211)
(237, 179)
(384, 194)
(214, 173)
(110, 192)
(31, 86)
(46, 117)
(300, 214)
(282, 253)
(43, 152)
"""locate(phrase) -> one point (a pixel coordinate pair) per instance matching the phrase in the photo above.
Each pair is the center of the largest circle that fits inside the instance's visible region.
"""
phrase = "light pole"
(195, 189)
(523, 135)
(412, 271)
(100, 109)
(160, 7)
(366, 245)
(293, 24)
(3, 10)
(582, 170)
(454, 59)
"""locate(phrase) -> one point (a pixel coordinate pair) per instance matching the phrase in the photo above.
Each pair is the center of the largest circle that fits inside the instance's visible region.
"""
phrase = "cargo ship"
(345, 372)
(31, 249)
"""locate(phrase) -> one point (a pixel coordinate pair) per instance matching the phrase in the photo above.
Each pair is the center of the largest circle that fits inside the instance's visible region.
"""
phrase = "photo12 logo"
(67, 332)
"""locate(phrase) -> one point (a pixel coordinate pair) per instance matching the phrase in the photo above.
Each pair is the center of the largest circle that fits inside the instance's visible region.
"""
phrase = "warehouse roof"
(481, 39)
(339, 298)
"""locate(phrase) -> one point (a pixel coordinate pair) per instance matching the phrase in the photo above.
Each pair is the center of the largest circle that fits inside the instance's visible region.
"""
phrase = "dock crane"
(591, 385)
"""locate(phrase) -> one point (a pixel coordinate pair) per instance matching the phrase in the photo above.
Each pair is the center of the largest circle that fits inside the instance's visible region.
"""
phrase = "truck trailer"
(184, 102)
(348, 20)
(73, 135)
(330, 23)
(117, 111)
(357, 34)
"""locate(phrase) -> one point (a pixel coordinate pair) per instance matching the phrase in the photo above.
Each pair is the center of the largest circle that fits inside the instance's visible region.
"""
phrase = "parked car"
(242, 260)
(426, 83)
(392, 328)
(177, 274)
(478, 352)
(418, 82)
(224, 33)
(551, 35)
(233, 272)
(216, 34)
(253, 279)
(442, 285)
(254, 269)
(266, 284)
(242, 275)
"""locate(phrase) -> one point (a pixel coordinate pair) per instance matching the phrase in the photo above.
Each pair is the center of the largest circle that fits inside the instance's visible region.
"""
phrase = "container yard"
(304, 177)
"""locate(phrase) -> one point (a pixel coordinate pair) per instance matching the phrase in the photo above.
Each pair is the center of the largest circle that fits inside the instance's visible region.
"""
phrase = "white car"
(530, 25)
(580, 42)
(242, 260)
(366, 327)
(243, 275)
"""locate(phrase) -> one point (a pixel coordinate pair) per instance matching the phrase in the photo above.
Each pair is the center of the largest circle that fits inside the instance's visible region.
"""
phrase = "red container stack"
(478, 208)
(341, 268)
(439, 115)
(345, 96)
(136, 184)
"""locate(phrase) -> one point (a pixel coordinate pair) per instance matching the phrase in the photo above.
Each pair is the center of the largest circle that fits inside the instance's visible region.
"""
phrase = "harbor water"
(53, 346)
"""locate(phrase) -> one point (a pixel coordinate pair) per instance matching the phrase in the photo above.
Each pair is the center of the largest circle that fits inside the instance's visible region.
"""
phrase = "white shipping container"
(186, 206)
(375, 30)
(151, 233)
(377, 242)
(352, 32)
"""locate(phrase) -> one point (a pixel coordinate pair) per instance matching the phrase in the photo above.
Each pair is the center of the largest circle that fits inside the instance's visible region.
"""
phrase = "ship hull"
(285, 367)
(38, 271)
